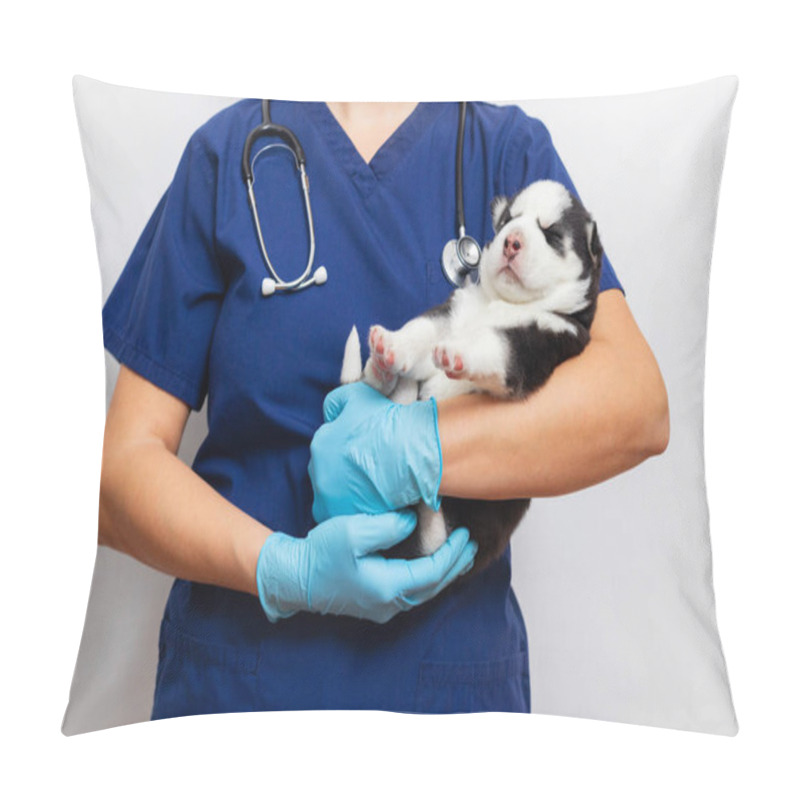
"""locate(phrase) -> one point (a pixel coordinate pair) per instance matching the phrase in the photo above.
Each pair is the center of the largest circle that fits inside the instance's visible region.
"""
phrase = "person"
(272, 608)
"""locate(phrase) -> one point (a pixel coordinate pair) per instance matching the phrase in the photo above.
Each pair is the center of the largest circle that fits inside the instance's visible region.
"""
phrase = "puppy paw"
(449, 358)
(388, 352)
(475, 362)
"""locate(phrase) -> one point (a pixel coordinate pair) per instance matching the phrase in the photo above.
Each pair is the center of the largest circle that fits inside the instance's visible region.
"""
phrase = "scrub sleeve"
(160, 318)
(187, 314)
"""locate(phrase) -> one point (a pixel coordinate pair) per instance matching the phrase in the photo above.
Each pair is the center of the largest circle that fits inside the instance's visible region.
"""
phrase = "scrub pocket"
(465, 687)
(197, 677)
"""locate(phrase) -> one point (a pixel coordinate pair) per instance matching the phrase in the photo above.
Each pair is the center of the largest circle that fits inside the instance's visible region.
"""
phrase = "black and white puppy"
(530, 311)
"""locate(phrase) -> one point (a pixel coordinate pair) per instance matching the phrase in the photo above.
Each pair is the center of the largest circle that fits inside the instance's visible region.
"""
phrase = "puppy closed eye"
(554, 236)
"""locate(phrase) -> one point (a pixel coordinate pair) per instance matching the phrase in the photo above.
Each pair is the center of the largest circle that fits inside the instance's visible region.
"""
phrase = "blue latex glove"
(373, 455)
(334, 570)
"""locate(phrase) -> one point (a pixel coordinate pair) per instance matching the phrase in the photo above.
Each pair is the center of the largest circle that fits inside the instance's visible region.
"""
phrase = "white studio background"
(53, 386)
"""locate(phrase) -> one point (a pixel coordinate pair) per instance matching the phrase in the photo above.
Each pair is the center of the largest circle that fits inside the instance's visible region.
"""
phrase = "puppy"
(530, 311)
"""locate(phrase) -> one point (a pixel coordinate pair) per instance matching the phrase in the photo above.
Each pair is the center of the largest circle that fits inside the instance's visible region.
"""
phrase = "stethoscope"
(460, 257)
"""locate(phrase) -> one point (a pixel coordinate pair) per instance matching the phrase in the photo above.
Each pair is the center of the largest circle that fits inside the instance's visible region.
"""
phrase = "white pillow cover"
(614, 581)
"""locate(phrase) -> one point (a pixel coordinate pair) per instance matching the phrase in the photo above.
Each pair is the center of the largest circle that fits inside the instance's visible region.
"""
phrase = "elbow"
(104, 533)
(105, 528)
(658, 430)
(113, 481)
(652, 430)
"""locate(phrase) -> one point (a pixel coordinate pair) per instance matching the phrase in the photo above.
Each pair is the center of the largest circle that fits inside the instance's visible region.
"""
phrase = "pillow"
(614, 581)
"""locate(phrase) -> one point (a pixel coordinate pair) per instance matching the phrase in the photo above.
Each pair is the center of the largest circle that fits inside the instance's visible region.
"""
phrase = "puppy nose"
(512, 245)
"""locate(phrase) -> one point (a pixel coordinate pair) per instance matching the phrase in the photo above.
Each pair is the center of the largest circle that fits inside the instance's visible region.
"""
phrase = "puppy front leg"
(480, 357)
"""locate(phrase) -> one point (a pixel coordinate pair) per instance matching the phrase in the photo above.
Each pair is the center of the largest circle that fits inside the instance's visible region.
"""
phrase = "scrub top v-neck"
(367, 175)
(188, 315)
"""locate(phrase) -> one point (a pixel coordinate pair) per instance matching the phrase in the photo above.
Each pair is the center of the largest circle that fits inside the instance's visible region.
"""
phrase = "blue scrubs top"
(188, 315)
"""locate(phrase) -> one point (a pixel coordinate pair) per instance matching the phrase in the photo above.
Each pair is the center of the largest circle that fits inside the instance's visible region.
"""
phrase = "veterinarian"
(280, 601)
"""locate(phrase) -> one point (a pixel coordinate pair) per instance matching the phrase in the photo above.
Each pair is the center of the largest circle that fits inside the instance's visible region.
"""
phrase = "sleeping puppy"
(530, 311)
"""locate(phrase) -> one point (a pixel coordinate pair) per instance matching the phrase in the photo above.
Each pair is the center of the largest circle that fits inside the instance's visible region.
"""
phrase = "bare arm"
(155, 508)
(599, 414)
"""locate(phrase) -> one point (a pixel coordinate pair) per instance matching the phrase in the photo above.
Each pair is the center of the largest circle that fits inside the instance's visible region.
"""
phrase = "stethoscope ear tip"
(320, 276)
(267, 287)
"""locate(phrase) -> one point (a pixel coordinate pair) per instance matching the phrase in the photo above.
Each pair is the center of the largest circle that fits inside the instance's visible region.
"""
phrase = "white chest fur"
(474, 308)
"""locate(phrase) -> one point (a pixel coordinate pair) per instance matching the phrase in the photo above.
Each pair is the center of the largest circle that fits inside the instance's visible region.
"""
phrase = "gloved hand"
(334, 570)
(373, 455)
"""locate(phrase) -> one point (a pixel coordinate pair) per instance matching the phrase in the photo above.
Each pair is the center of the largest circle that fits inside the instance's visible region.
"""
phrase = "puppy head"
(546, 249)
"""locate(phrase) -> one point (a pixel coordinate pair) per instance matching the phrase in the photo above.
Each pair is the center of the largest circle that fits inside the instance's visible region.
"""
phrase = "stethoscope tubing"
(460, 257)
(312, 242)
(290, 142)
(460, 221)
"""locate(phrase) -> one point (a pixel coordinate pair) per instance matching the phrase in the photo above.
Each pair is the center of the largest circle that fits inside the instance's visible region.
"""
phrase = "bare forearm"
(156, 509)
(599, 414)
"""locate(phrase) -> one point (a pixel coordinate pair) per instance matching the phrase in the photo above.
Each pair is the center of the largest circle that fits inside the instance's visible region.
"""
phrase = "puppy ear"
(593, 242)
(501, 212)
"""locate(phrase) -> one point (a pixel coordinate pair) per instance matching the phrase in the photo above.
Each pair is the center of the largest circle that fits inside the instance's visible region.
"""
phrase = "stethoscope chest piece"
(460, 260)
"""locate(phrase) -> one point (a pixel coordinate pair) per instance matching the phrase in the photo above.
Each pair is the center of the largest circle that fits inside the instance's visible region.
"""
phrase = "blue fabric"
(187, 314)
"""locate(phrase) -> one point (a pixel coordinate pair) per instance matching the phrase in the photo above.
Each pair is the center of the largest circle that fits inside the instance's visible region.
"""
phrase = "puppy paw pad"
(449, 359)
